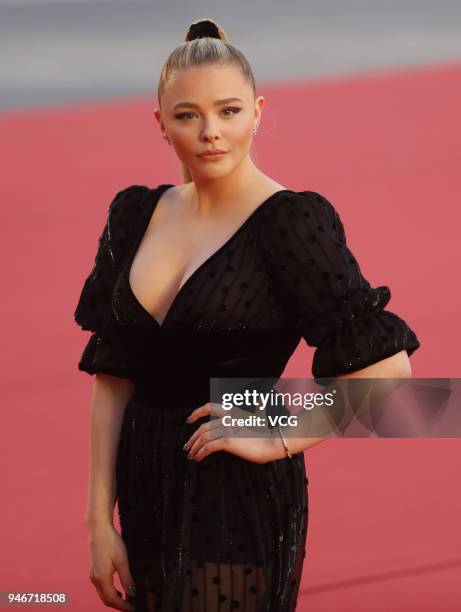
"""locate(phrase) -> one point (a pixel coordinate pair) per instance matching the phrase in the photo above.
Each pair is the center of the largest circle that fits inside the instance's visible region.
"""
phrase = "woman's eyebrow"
(216, 103)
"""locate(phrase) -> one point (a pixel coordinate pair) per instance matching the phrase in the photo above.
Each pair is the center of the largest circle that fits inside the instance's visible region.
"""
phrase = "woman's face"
(209, 107)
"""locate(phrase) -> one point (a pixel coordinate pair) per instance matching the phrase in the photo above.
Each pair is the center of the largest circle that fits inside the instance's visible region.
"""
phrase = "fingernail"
(131, 590)
(185, 445)
(188, 419)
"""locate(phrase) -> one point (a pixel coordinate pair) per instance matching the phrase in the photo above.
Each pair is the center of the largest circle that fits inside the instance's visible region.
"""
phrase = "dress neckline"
(157, 192)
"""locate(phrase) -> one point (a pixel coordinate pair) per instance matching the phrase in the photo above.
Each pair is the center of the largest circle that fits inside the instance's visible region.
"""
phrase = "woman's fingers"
(109, 594)
(216, 410)
(211, 408)
(108, 555)
(215, 434)
(211, 447)
(123, 570)
(213, 424)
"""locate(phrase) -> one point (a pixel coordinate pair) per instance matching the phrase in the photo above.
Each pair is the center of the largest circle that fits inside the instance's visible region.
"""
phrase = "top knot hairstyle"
(206, 43)
(205, 28)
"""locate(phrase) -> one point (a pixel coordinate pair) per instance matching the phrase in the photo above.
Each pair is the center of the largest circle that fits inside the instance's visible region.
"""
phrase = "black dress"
(224, 533)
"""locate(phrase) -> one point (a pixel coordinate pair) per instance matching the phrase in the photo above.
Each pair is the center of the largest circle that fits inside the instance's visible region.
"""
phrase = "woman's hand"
(213, 436)
(108, 555)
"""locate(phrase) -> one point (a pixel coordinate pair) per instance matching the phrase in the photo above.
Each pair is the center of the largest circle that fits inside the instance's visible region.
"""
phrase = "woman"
(218, 277)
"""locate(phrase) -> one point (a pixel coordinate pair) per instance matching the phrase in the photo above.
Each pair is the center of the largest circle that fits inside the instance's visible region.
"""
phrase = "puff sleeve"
(104, 352)
(335, 308)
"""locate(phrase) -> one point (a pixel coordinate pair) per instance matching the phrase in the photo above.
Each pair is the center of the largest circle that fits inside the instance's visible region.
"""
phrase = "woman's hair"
(205, 43)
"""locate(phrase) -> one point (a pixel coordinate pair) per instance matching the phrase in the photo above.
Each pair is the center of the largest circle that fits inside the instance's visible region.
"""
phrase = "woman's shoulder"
(124, 211)
(128, 208)
(317, 201)
(306, 210)
(133, 196)
(128, 199)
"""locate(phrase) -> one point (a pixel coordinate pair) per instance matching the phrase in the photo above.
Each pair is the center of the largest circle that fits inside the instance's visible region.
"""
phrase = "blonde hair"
(205, 43)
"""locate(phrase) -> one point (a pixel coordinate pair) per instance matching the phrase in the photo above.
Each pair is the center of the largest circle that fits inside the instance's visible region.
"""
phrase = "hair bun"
(205, 28)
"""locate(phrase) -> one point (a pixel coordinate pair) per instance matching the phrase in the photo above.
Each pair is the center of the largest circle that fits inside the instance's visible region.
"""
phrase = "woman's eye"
(234, 111)
(182, 115)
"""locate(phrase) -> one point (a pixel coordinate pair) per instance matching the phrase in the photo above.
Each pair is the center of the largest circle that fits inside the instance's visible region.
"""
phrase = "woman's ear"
(259, 105)
(158, 117)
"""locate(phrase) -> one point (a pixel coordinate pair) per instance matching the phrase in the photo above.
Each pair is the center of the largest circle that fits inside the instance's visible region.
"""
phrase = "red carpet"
(384, 149)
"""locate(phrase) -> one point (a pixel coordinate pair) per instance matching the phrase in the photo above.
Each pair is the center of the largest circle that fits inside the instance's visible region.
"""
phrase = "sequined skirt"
(221, 534)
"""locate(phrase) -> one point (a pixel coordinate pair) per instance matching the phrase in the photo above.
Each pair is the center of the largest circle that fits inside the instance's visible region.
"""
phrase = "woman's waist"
(173, 395)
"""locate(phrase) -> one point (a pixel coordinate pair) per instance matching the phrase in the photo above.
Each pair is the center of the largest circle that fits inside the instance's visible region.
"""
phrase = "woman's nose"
(210, 132)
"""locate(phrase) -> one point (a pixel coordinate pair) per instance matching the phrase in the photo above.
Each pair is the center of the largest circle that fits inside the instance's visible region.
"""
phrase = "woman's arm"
(108, 552)
(395, 366)
(265, 449)
(109, 398)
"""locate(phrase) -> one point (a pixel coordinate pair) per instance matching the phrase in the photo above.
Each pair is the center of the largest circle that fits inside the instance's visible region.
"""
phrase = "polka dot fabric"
(335, 307)
(104, 352)
(224, 533)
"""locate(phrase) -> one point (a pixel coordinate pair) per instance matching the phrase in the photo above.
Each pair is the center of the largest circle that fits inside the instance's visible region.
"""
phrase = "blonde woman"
(220, 276)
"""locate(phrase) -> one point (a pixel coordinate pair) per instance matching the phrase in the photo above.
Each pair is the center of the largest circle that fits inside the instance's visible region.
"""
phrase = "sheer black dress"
(224, 533)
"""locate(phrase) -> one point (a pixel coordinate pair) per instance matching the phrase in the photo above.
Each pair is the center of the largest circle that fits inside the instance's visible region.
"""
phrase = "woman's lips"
(212, 155)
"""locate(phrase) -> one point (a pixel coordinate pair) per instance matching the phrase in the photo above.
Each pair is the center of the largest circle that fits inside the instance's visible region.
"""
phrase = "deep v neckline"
(185, 284)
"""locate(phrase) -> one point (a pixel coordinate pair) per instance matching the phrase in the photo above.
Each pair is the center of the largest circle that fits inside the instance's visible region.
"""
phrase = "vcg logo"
(283, 420)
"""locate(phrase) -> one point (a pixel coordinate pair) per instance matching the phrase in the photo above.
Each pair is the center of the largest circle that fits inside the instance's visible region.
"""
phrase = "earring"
(165, 137)
(255, 129)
